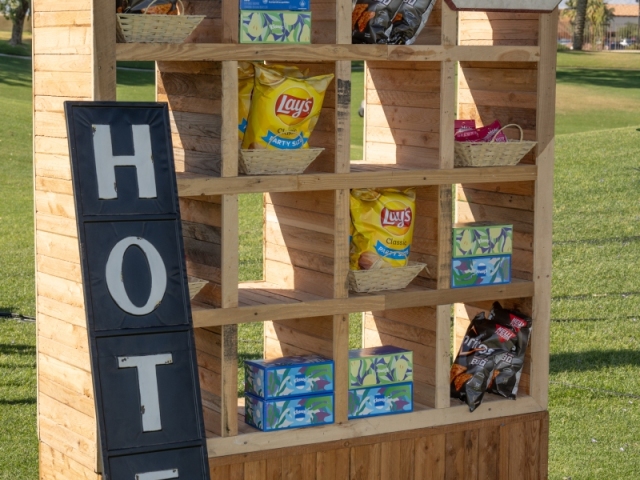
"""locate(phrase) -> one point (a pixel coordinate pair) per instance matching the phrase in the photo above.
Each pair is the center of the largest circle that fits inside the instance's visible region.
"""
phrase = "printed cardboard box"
(294, 412)
(480, 239)
(380, 366)
(387, 400)
(288, 376)
(274, 5)
(477, 271)
(262, 26)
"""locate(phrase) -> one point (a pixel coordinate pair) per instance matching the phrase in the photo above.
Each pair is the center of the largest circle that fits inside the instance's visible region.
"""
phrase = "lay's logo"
(293, 109)
(396, 218)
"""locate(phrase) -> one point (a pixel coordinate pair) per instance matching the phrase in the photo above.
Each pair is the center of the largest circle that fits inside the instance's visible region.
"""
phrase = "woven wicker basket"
(142, 28)
(492, 154)
(364, 281)
(277, 162)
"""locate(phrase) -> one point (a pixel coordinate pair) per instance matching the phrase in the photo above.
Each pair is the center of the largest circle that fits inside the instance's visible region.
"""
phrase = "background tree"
(580, 20)
(587, 15)
(16, 11)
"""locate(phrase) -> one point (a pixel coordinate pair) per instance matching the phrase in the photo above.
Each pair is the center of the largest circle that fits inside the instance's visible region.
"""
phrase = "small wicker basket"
(276, 162)
(364, 281)
(143, 28)
(492, 154)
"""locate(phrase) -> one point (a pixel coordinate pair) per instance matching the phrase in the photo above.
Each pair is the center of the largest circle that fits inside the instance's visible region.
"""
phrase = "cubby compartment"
(506, 92)
(505, 203)
(498, 28)
(298, 250)
(193, 92)
(402, 116)
(463, 313)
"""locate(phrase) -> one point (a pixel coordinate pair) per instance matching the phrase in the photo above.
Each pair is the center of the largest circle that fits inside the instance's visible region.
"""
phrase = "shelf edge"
(214, 317)
(192, 185)
(260, 441)
(324, 52)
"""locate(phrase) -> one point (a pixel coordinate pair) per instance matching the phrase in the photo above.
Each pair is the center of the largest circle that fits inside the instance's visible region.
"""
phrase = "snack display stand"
(478, 65)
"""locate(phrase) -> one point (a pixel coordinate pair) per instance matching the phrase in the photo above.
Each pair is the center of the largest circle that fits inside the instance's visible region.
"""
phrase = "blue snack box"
(288, 376)
(480, 271)
(274, 5)
(386, 400)
(383, 365)
(294, 412)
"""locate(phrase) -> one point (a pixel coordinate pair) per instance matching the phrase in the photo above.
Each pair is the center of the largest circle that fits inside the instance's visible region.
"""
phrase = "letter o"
(115, 282)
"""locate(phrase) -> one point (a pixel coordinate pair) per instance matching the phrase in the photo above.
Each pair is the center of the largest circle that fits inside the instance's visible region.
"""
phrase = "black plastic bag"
(371, 19)
(508, 367)
(409, 21)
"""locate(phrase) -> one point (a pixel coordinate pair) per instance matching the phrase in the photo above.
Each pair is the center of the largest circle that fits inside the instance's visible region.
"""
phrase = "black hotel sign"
(136, 293)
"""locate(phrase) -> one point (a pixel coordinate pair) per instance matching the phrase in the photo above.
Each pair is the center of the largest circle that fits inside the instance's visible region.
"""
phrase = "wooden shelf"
(252, 440)
(370, 176)
(275, 303)
(325, 53)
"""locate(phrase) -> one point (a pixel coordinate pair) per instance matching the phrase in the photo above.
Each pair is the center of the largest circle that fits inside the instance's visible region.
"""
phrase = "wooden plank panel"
(54, 465)
(65, 375)
(52, 166)
(430, 457)
(455, 456)
(63, 40)
(365, 462)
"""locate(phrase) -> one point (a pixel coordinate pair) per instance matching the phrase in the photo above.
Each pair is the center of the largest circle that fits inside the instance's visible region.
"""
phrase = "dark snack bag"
(409, 21)
(473, 368)
(508, 365)
(151, 7)
(371, 19)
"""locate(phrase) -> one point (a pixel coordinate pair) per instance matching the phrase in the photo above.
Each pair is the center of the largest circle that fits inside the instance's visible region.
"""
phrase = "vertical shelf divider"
(103, 23)
(229, 247)
(341, 215)
(445, 205)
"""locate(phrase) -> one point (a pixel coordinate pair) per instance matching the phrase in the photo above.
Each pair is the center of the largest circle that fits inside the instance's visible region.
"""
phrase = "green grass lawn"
(595, 361)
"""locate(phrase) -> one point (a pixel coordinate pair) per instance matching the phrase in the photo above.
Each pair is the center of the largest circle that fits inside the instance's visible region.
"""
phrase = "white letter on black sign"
(106, 162)
(148, 384)
(115, 283)
(164, 475)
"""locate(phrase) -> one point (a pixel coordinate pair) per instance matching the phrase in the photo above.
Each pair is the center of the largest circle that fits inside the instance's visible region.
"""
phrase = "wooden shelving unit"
(467, 65)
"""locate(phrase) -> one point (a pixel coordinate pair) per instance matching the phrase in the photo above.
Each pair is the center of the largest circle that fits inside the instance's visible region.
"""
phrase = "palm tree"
(579, 22)
(582, 13)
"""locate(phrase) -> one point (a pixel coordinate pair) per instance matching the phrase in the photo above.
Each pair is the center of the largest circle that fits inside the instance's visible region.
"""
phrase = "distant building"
(623, 14)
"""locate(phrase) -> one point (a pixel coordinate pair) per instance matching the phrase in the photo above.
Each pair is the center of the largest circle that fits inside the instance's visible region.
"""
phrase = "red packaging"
(465, 131)
(486, 134)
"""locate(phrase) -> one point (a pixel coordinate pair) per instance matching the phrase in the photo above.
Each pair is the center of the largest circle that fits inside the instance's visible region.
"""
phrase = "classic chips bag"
(284, 110)
(383, 222)
(371, 20)
(245, 89)
(508, 366)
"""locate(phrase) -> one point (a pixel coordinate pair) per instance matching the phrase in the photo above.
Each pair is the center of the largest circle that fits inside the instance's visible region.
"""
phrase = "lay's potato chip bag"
(245, 89)
(383, 222)
(284, 110)
(246, 81)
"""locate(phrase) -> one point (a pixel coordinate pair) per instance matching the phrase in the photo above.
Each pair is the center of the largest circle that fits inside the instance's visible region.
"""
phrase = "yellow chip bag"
(284, 110)
(246, 81)
(382, 227)
(245, 89)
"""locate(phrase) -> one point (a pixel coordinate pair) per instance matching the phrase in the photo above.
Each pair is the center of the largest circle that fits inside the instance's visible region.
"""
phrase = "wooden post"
(543, 216)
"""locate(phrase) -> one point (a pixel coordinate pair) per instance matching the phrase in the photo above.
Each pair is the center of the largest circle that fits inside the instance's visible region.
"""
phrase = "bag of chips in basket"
(246, 81)
(284, 110)
(383, 223)
(508, 366)
(371, 20)
(149, 7)
(409, 20)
